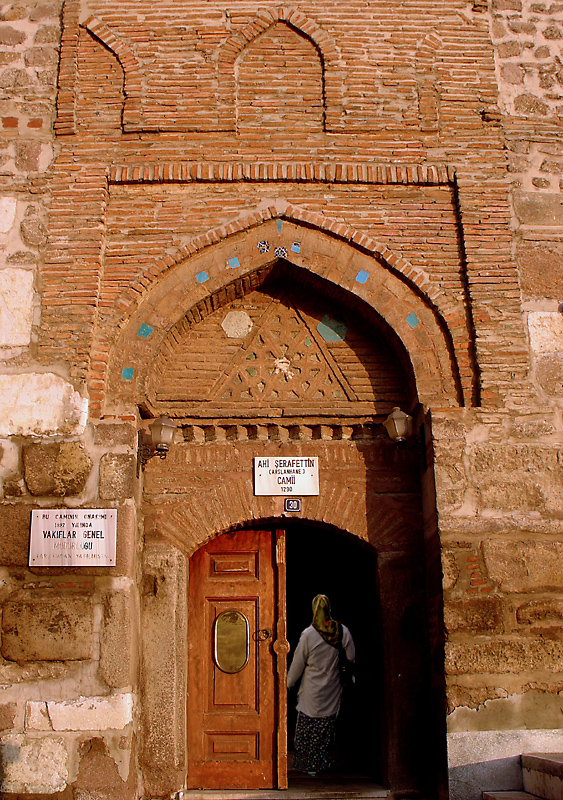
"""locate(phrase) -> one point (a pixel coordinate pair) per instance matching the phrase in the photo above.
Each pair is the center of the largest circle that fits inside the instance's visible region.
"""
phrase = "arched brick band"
(388, 523)
(265, 18)
(133, 87)
(402, 296)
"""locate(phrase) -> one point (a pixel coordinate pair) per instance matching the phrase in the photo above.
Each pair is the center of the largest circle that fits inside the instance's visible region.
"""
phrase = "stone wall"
(411, 161)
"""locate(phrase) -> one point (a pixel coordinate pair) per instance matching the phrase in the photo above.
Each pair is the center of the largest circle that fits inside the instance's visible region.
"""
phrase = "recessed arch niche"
(289, 344)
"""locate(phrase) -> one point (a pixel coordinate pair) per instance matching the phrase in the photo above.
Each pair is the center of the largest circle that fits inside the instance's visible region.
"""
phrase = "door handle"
(262, 635)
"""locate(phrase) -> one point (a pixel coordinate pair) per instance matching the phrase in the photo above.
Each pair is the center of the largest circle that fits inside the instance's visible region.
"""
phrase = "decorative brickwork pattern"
(391, 524)
(417, 319)
(233, 51)
(293, 356)
(132, 114)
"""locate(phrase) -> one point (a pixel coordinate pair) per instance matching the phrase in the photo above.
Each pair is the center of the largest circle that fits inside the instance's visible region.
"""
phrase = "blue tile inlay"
(145, 331)
(233, 262)
(279, 223)
(201, 277)
(127, 373)
(296, 247)
(332, 329)
(412, 320)
(362, 276)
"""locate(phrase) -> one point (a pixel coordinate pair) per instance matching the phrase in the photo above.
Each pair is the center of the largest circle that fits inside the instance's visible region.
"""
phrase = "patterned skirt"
(314, 743)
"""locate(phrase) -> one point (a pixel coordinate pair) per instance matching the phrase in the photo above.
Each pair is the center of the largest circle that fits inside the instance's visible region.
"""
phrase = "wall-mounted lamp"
(400, 428)
(155, 443)
(398, 425)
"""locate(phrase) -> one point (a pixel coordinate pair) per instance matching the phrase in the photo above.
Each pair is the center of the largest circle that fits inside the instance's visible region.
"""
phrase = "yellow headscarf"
(328, 628)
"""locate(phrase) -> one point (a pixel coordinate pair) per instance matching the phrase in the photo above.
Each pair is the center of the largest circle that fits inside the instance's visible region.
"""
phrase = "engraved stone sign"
(73, 537)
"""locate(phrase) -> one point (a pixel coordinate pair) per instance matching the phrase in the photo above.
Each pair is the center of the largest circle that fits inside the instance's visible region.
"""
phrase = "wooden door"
(235, 701)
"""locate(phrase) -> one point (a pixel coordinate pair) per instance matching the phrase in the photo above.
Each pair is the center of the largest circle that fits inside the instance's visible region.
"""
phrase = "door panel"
(232, 716)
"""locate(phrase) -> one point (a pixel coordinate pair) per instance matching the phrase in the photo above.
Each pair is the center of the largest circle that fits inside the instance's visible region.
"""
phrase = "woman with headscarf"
(316, 662)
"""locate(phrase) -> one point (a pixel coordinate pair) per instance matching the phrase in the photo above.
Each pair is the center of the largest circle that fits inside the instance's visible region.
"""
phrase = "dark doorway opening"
(323, 561)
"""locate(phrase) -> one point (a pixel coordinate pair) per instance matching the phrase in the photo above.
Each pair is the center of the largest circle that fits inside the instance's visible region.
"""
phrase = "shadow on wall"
(469, 781)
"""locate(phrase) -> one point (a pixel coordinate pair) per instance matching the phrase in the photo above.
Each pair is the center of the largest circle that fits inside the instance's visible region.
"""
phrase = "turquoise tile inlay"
(279, 224)
(332, 329)
(362, 276)
(296, 247)
(201, 277)
(127, 373)
(412, 320)
(145, 331)
(233, 262)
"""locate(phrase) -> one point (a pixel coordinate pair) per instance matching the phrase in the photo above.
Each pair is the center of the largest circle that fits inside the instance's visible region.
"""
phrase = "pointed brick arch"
(219, 506)
(133, 88)
(333, 92)
(214, 267)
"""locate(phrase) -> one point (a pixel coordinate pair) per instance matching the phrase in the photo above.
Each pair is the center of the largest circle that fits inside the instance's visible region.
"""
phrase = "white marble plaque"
(277, 475)
(73, 537)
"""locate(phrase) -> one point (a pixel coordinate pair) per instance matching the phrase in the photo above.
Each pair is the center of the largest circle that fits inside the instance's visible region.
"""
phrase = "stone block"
(56, 469)
(28, 152)
(541, 269)
(449, 447)
(40, 404)
(33, 765)
(99, 775)
(117, 666)
(549, 374)
(503, 656)
(165, 659)
(450, 571)
(8, 713)
(91, 713)
(113, 434)
(546, 331)
(534, 708)
(527, 104)
(474, 615)
(535, 208)
(126, 540)
(37, 716)
(541, 613)
(44, 626)
(524, 566)
(117, 476)
(33, 232)
(8, 207)
(15, 522)
(527, 477)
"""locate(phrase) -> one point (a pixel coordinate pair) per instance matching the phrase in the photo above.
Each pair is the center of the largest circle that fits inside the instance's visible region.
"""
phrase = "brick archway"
(204, 489)
(437, 346)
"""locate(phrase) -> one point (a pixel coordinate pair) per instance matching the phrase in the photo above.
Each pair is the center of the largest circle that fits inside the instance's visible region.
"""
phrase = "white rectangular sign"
(277, 475)
(73, 537)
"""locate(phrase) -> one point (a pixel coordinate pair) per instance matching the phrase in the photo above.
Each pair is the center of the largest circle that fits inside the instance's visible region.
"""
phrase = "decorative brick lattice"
(283, 362)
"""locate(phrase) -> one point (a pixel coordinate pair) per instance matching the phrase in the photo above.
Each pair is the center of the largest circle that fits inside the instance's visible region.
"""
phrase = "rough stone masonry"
(373, 190)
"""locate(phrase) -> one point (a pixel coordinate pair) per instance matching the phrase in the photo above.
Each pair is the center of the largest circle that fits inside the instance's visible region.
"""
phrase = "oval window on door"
(231, 641)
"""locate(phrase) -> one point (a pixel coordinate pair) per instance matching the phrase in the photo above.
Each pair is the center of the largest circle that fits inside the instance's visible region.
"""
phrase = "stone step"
(542, 774)
(513, 795)
(324, 793)
(303, 787)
